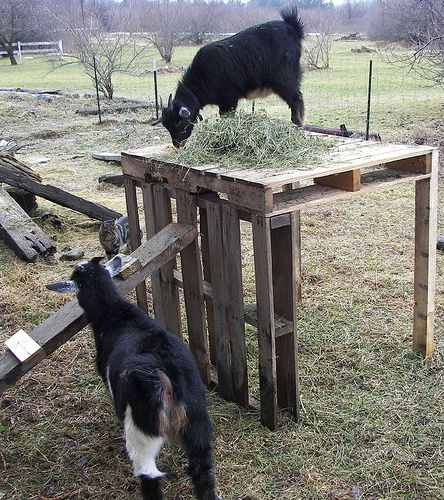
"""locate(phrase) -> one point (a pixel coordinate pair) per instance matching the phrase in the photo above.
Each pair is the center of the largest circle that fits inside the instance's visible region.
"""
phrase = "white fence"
(21, 48)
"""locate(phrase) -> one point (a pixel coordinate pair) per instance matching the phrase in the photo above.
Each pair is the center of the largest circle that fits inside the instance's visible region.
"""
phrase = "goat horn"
(170, 102)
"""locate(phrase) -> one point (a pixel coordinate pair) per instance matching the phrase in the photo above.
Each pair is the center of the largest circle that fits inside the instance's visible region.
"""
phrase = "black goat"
(259, 61)
(152, 378)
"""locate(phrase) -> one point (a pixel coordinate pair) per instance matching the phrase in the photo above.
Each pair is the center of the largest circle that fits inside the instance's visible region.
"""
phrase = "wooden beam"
(426, 201)
(70, 319)
(16, 173)
(349, 181)
(419, 164)
(20, 232)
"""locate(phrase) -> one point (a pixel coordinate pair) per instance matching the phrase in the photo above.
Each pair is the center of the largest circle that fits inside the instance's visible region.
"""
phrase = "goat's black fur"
(149, 370)
(261, 59)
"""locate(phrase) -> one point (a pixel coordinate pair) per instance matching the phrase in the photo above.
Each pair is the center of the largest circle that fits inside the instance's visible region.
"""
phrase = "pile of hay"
(244, 140)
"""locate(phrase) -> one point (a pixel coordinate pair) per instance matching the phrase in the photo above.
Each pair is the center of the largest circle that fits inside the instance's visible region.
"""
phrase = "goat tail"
(290, 16)
(149, 391)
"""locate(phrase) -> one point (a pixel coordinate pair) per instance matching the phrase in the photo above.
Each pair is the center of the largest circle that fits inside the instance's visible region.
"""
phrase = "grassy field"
(372, 424)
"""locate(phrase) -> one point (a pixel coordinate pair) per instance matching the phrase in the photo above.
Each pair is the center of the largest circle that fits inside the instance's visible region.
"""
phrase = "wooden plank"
(285, 246)
(135, 240)
(114, 179)
(219, 285)
(22, 345)
(20, 232)
(205, 251)
(349, 181)
(70, 319)
(186, 206)
(12, 173)
(235, 321)
(106, 156)
(282, 326)
(265, 318)
(309, 196)
(426, 201)
(419, 164)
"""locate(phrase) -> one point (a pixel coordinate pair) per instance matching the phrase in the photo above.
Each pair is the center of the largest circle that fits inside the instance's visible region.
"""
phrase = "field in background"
(334, 96)
(372, 416)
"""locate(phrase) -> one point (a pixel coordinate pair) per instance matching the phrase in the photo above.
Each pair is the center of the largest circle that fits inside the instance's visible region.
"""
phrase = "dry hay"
(252, 141)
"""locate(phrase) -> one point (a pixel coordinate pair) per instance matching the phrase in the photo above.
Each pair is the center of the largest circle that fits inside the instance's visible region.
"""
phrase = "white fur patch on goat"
(142, 449)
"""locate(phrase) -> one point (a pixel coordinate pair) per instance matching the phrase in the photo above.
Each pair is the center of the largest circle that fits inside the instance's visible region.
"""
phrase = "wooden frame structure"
(271, 201)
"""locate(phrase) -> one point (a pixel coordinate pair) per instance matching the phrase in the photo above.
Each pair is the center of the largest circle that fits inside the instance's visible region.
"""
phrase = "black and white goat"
(151, 376)
(258, 61)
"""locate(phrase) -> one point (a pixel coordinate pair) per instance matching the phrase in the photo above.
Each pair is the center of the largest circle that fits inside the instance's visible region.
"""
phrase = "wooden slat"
(349, 181)
(309, 196)
(157, 208)
(285, 245)
(419, 164)
(231, 245)
(219, 284)
(426, 196)
(265, 319)
(70, 319)
(134, 225)
(20, 232)
(205, 251)
(282, 326)
(186, 206)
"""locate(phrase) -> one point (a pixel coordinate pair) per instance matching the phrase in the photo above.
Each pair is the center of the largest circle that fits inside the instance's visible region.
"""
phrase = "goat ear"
(68, 286)
(170, 102)
(96, 260)
(114, 266)
(184, 112)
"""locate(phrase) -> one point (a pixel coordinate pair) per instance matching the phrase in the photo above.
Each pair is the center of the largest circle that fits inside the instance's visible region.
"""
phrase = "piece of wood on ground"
(70, 319)
(105, 156)
(16, 173)
(22, 345)
(115, 109)
(20, 232)
(114, 179)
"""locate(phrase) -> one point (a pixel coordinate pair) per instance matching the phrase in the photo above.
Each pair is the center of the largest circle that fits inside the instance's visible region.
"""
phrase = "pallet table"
(271, 201)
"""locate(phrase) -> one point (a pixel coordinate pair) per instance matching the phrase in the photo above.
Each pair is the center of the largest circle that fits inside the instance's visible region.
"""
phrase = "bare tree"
(318, 44)
(421, 29)
(16, 20)
(91, 45)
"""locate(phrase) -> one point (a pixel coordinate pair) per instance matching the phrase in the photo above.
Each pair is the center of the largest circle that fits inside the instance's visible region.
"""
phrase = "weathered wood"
(265, 319)
(135, 239)
(426, 201)
(20, 232)
(186, 206)
(158, 214)
(114, 179)
(70, 319)
(107, 156)
(220, 301)
(17, 174)
(25, 199)
(285, 245)
(349, 181)
(205, 251)
(231, 248)
(419, 164)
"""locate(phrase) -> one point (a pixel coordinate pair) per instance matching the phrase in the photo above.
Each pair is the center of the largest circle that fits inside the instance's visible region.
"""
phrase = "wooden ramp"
(70, 319)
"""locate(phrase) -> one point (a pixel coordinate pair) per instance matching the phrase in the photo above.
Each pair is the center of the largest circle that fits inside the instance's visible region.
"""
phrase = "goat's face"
(179, 120)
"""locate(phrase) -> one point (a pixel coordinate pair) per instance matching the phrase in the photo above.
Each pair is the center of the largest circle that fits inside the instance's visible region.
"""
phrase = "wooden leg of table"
(192, 287)
(285, 244)
(425, 260)
(297, 260)
(265, 319)
(228, 306)
(135, 241)
(157, 206)
(204, 244)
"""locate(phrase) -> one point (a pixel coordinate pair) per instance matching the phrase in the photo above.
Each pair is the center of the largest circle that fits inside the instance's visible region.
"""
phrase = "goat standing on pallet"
(256, 62)
(152, 379)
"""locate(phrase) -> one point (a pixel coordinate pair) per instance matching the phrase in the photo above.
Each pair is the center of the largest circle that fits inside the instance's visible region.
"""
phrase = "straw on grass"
(251, 141)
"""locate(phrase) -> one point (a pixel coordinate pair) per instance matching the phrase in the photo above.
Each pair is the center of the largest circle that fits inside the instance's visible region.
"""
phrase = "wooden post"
(135, 241)
(285, 244)
(205, 250)
(265, 319)
(192, 286)
(426, 198)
